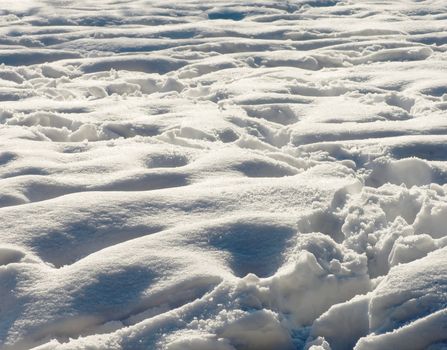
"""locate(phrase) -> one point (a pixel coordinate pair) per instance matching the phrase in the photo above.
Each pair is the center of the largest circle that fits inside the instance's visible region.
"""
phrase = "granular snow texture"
(223, 175)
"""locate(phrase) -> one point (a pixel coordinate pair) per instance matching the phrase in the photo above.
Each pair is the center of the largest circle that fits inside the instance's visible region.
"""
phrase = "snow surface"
(229, 175)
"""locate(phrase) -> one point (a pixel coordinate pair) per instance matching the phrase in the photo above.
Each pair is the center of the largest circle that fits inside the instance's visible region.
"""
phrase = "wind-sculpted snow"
(229, 175)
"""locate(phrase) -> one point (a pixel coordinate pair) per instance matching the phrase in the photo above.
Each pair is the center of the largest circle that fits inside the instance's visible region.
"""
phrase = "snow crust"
(228, 175)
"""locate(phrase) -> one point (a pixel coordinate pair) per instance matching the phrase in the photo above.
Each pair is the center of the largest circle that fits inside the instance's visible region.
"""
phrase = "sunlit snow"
(223, 175)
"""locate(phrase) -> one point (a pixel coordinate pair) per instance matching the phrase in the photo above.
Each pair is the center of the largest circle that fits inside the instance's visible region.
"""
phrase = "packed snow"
(223, 175)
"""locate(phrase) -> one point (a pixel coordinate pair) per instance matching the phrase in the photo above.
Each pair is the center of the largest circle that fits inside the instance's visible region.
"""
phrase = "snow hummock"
(198, 175)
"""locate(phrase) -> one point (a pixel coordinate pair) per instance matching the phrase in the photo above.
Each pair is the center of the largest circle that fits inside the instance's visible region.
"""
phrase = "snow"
(227, 175)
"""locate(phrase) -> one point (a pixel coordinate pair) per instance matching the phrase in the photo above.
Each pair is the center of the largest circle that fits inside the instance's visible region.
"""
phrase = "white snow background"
(223, 175)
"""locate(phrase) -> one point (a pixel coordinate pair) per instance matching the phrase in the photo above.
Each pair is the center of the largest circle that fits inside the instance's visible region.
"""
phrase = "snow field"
(223, 175)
